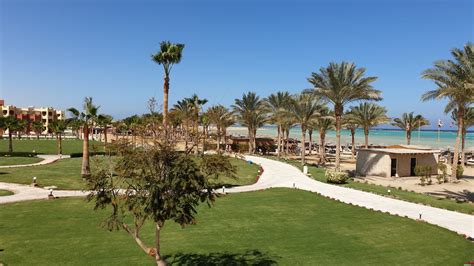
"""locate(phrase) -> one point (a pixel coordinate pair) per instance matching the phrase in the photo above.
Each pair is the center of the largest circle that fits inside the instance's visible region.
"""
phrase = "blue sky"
(54, 53)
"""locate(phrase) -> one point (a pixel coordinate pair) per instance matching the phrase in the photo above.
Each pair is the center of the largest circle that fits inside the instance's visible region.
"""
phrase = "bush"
(443, 177)
(424, 172)
(459, 171)
(79, 154)
(335, 177)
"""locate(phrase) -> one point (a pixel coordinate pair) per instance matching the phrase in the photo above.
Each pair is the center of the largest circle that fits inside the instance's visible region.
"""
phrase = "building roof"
(402, 150)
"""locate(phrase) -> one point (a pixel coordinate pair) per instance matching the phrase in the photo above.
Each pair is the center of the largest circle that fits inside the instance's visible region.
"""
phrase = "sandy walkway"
(47, 159)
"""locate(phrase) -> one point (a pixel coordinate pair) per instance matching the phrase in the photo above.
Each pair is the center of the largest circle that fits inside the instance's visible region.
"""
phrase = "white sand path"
(47, 159)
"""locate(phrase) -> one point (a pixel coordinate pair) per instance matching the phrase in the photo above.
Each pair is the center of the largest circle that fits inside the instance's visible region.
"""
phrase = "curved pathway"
(279, 174)
(25, 192)
(47, 159)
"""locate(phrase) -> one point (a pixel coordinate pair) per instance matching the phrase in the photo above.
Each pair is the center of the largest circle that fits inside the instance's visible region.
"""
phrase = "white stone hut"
(395, 161)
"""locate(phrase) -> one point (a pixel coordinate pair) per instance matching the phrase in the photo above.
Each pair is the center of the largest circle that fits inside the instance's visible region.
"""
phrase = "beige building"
(395, 161)
(30, 114)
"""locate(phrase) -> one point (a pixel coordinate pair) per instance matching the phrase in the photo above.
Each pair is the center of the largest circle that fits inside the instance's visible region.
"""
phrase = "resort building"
(44, 114)
(395, 161)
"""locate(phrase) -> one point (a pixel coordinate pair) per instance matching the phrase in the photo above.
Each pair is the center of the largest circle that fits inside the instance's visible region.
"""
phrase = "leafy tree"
(454, 81)
(10, 124)
(58, 127)
(38, 128)
(410, 122)
(305, 108)
(369, 115)
(156, 184)
(277, 105)
(341, 84)
(86, 119)
(250, 112)
(169, 55)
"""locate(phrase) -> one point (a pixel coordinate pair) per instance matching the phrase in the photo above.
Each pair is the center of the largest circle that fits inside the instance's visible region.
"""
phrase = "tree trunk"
(105, 138)
(10, 141)
(408, 137)
(463, 152)
(60, 144)
(310, 148)
(85, 170)
(338, 139)
(254, 140)
(366, 133)
(456, 146)
(166, 88)
(287, 141)
(303, 145)
(279, 141)
(159, 260)
(218, 148)
(353, 142)
(37, 136)
(250, 140)
(322, 150)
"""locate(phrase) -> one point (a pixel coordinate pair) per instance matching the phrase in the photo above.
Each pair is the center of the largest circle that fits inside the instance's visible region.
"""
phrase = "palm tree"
(410, 122)
(350, 124)
(454, 81)
(169, 55)
(468, 121)
(324, 122)
(38, 128)
(58, 127)
(196, 106)
(184, 111)
(132, 125)
(87, 119)
(104, 121)
(305, 108)
(369, 115)
(341, 84)
(12, 124)
(221, 118)
(288, 123)
(250, 112)
(278, 104)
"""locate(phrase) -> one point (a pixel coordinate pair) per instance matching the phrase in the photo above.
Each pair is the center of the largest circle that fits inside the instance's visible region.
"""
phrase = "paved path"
(278, 174)
(47, 159)
(25, 192)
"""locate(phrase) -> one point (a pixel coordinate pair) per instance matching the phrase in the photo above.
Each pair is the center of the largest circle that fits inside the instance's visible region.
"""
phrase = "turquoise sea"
(430, 138)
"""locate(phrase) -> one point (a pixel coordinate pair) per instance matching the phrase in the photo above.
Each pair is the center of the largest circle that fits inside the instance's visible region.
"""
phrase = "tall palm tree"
(12, 124)
(196, 104)
(305, 108)
(369, 115)
(454, 81)
(169, 55)
(250, 112)
(37, 127)
(220, 117)
(86, 118)
(58, 127)
(341, 84)
(104, 121)
(468, 121)
(410, 122)
(323, 123)
(278, 104)
(350, 124)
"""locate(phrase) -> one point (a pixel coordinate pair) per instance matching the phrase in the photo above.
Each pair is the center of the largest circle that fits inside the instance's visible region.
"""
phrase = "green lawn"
(4, 192)
(45, 146)
(284, 226)
(6, 160)
(66, 174)
(318, 174)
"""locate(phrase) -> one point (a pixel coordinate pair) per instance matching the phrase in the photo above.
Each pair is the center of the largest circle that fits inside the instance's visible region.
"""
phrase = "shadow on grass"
(465, 194)
(249, 257)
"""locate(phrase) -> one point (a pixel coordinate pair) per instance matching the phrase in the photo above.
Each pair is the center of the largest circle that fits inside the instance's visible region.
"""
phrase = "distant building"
(395, 161)
(44, 114)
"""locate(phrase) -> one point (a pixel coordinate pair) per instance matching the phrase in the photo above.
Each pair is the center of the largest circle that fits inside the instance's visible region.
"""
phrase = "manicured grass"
(66, 174)
(288, 227)
(46, 146)
(6, 160)
(4, 192)
(318, 174)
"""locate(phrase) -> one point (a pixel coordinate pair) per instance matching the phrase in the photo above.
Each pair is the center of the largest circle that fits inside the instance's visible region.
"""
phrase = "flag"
(440, 123)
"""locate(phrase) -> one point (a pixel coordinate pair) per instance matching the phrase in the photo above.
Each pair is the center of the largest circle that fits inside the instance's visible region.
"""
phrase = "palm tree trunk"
(456, 146)
(60, 144)
(250, 140)
(85, 170)
(279, 141)
(303, 145)
(353, 143)
(218, 148)
(287, 141)
(105, 138)
(166, 88)
(37, 136)
(159, 260)
(366, 133)
(338, 139)
(254, 140)
(310, 148)
(408, 137)
(322, 149)
(463, 142)
(10, 141)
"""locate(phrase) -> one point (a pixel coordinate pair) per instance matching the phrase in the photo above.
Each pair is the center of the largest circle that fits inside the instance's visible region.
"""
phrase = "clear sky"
(54, 53)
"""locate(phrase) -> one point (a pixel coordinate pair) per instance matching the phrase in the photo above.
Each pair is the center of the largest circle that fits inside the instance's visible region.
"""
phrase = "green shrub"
(443, 177)
(335, 177)
(459, 171)
(424, 172)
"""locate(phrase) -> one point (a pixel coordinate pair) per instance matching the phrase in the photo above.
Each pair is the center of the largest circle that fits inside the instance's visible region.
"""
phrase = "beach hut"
(395, 161)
